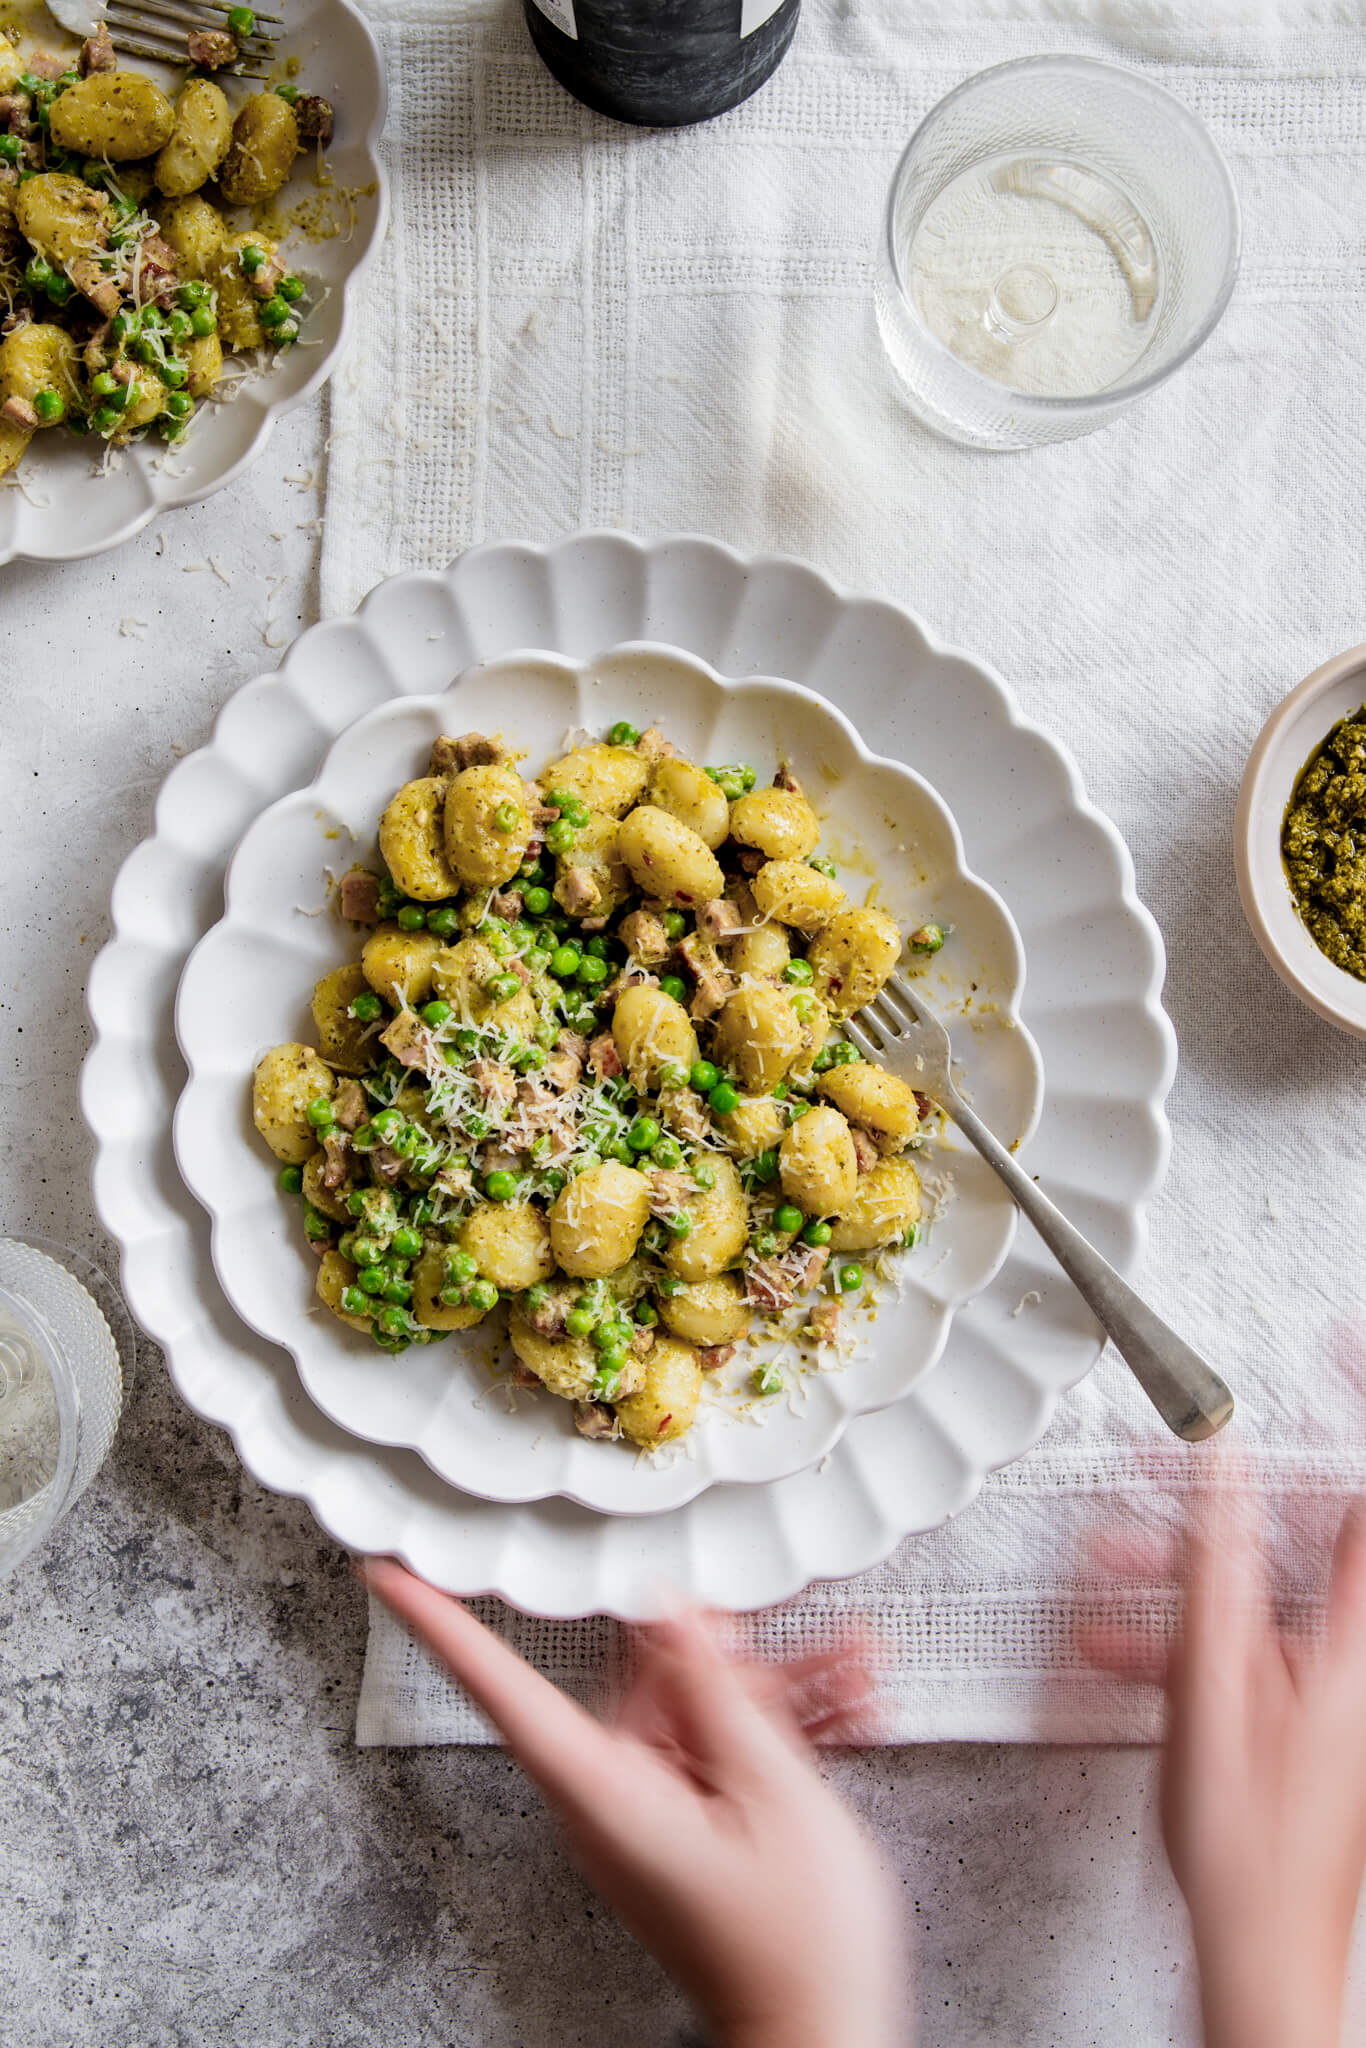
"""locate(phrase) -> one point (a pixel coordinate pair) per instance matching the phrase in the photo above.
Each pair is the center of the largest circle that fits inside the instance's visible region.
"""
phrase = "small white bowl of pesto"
(1300, 840)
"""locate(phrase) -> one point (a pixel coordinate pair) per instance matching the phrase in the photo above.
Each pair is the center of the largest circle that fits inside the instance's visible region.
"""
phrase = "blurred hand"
(700, 1816)
(1264, 1783)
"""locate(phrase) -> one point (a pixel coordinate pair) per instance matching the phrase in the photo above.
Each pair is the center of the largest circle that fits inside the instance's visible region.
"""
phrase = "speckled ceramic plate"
(247, 986)
(1093, 1005)
(61, 505)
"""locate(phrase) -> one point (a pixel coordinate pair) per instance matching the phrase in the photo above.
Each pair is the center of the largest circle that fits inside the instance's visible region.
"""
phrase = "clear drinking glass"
(66, 1358)
(1060, 236)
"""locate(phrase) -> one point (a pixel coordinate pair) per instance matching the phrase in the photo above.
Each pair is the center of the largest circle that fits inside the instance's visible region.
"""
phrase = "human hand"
(701, 1818)
(1263, 1782)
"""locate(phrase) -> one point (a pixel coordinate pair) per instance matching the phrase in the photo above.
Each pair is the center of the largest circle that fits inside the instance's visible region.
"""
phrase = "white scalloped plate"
(60, 507)
(247, 985)
(1094, 1008)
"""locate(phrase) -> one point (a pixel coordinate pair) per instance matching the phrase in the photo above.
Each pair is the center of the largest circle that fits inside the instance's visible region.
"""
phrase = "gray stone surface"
(195, 1851)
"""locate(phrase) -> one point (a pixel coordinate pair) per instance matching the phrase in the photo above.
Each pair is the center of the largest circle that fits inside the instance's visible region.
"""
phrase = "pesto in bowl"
(1323, 845)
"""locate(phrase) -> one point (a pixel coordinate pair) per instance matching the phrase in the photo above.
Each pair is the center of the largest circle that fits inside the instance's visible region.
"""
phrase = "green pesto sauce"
(1323, 845)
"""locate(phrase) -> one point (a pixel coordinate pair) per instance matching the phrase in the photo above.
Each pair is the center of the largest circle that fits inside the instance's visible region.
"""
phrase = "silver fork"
(898, 1029)
(158, 28)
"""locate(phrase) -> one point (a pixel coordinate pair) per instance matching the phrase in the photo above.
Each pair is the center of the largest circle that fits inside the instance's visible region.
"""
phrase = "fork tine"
(166, 53)
(856, 1035)
(208, 12)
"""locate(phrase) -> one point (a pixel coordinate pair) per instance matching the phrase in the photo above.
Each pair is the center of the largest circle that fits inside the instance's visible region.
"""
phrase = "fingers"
(1141, 1655)
(717, 1720)
(555, 1741)
(1347, 1591)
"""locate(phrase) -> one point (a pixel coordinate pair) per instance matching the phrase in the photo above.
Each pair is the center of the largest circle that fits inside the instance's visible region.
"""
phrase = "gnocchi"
(487, 827)
(667, 859)
(288, 1078)
(852, 956)
(817, 1163)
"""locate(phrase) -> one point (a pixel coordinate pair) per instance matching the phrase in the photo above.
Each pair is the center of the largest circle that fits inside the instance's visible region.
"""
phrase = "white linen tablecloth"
(576, 323)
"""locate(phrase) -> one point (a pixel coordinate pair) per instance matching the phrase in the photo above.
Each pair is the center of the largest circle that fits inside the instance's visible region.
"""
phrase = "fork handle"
(1187, 1393)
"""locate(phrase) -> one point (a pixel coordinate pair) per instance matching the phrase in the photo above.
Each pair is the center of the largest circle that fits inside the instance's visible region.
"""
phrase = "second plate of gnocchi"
(536, 996)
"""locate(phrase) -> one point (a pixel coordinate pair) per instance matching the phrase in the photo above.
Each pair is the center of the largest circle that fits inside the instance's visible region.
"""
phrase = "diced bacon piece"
(816, 1261)
(924, 1103)
(496, 1082)
(718, 920)
(630, 977)
(866, 1154)
(210, 48)
(653, 745)
(348, 1105)
(644, 936)
(577, 890)
(506, 903)
(768, 1285)
(520, 971)
(469, 749)
(603, 1057)
(97, 52)
(539, 1108)
(682, 1111)
(824, 1319)
(785, 779)
(595, 1421)
(360, 897)
(715, 1356)
(336, 1147)
(19, 412)
(750, 860)
(562, 1071)
(314, 116)
(642, 1342)
(454, 1181)
(386, 1165)
(669, 1191)
(714, 982)
(46, 64)
(547, 1319)
(594, 924)
(409, 1040)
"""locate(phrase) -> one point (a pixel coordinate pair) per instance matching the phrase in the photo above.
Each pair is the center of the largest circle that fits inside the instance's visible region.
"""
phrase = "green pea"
(673, 986)
(354, 1302)
(50, 407)
(673, 1074)
(788, 1218)
(647, 1315)
(38, 273)
(668, 1286)
(460, 1268)
(195, 293)
(453, 1297)
(444, 922)
(503, 987)
(506, 818)
(798, 972)
(619, 1150)
(928, 939)
(623, 734)
(288, 93)
(409, 1141)
(292, 1179)
(537, 901)
(644, 1133)
(366, 1251)
(500, 1186)
(723, 1098)
(388, 1124)
(846, 1055)
(764, 1166)
(241, 21)
(367, 1007)
(667, 1153)
(850, 1277)
(436, 1014)
(803, 1005)
(365, 1138)
(680, 1225)
(316, 1226)
(561, 836)
(466, 1040)
(564, 962)
(393, 1321)
(593, 971)
(703, 1076)
(576, 812)
(179, 326)
(319, 1112)
(11, 149)
(483, 1295)
(103, 385)
(816, 1232)
(407, 1242)
(272, 312)
(821, 864)
(412, 917)
(765, 1243)
(202, 322)
(290, 288)
(824, 1060)
(767, 1379)
(421, 1211)
(537, 1296)
(579, 1322)
(60, 289)
(105, 418)
(388, 1342)
(398, 1291)
(173, 375)
(346, 1245)
(531, 870)
(748, 776)
(674, 923)
(371, 1279)
(704, 1173)
(605, 1383)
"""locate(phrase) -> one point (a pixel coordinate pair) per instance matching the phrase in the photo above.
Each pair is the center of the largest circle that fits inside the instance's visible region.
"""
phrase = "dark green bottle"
(662, 63)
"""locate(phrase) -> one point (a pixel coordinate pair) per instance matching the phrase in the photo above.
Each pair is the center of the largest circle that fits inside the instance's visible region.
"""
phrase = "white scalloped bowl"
(247, 986)
(61, 507)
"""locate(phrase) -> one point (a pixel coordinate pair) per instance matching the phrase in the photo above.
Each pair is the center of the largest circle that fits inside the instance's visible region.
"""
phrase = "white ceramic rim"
(735, 1549)
(1295, 728)
(163, 494)
(721, 1455)
(986, 390)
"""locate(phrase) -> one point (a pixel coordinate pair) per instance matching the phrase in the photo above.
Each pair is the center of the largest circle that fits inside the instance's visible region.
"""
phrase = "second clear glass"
(1060, 236)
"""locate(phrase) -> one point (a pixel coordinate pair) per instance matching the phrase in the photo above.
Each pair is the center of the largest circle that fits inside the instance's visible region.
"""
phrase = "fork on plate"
(158, 28)
(898, 1029)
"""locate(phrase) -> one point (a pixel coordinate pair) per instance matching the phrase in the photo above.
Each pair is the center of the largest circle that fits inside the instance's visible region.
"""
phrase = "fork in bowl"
(898, 1029)
(158, 29)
